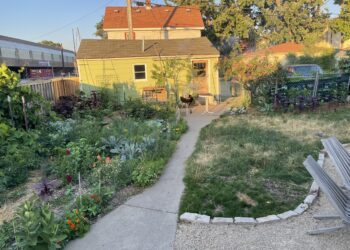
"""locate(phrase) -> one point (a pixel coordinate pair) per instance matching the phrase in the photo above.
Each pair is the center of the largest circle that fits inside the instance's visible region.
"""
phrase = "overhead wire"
(74, 21)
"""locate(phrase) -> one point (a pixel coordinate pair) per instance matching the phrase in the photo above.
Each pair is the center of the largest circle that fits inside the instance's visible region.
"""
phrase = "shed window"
(200, 69)
(140, 72)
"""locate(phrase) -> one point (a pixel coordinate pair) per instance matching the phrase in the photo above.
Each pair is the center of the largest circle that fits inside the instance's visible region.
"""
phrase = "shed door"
(200, 71)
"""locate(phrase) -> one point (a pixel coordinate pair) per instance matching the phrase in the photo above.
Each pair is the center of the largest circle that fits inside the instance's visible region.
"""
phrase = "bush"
(79, 157)
(147, 172)
(146, 110)
(106, 172)
(36, 105)
(18, 154)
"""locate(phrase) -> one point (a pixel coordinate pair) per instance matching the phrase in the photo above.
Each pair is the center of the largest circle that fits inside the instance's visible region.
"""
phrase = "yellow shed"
(104, 63)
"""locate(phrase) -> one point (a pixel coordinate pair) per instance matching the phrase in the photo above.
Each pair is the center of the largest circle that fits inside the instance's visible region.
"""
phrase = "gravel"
(284, 234)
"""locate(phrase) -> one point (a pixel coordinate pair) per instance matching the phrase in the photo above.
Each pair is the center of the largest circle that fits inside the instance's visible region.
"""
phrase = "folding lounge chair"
(339, 200)
(340, 158)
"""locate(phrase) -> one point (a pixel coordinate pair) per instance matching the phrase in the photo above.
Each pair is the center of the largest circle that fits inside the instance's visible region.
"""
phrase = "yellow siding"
(97, 73)
(156, 34)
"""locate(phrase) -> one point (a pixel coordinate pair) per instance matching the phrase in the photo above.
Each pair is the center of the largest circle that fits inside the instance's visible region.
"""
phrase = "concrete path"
(149, 220)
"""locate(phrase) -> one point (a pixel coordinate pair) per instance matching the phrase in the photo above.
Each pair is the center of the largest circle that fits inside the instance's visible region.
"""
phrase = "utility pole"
(130, 36)
(74, 42)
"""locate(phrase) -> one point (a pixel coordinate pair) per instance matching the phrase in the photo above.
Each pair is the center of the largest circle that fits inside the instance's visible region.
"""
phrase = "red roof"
(289, 47)
(156, 17)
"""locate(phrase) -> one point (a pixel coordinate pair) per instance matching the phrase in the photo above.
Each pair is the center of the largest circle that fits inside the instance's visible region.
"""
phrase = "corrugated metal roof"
(96, 49)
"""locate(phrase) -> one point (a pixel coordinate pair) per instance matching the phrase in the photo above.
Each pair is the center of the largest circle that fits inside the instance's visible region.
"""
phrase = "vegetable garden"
(86, 158)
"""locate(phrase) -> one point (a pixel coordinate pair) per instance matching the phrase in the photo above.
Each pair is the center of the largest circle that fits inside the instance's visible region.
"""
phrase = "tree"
(99, 30)
(168, 73)
(341, 23)
(257, 75)
(344, 64)
(51, 43)
(271, 22)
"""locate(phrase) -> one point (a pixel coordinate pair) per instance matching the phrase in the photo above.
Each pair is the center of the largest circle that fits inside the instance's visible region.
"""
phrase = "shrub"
(147, 171)
(9, 87)
(79, 157)
(146, 110)
(18, 154)
(106, 172)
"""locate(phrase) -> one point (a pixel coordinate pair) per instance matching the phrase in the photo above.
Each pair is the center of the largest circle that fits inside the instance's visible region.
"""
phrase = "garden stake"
(99, 181)
(14, 233)
(11, 112)
(81, 204)
(25, 112)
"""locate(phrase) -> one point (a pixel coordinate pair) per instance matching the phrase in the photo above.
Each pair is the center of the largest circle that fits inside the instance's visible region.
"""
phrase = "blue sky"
(37, 20)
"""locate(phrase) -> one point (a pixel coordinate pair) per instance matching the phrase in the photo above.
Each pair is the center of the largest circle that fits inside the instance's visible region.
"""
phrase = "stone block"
(314, 188)
(269, 218)
(301, 208)
(287, 214)
(310, 199)
(193, 217)
(222, 220)
(244, 220)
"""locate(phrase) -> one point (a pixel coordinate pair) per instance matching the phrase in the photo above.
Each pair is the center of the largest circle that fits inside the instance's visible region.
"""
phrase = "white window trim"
(133, 69)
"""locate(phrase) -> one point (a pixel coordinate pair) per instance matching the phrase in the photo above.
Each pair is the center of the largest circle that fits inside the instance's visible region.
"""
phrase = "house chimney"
(148, 4)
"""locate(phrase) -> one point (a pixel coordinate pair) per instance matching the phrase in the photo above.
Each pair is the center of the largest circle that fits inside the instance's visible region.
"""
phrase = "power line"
(74, 21)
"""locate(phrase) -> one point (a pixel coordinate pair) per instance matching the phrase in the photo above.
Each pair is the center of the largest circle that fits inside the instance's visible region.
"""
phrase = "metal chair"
(339, 200)
(340, 158)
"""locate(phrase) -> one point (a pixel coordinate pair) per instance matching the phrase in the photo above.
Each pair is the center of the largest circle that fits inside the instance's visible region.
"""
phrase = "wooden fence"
(53, 89)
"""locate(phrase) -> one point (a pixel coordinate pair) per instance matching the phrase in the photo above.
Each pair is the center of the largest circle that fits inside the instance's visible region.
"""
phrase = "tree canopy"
(342, 22)
(51, 43)
(262, 23)
(99, 30)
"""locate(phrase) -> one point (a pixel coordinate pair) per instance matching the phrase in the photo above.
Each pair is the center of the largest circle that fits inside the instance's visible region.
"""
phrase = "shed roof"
(98, 49)
(156, 17)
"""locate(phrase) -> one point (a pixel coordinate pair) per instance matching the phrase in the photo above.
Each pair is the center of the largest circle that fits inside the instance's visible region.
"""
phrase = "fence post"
(25, 112)
(11, 112)
(314, 93)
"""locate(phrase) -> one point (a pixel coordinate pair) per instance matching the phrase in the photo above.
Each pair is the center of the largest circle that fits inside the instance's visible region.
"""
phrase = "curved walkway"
(149, 220)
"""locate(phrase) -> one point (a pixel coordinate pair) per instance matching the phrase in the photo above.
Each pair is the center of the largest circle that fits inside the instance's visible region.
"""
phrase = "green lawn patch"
(251, 165)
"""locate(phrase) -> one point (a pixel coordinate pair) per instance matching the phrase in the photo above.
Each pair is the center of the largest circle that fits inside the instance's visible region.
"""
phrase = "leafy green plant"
(37, 227)
(147, 172)
(18, 154)
(79, 157)
(90, 205)
(106, 172)
(6, 235)
(11, 94)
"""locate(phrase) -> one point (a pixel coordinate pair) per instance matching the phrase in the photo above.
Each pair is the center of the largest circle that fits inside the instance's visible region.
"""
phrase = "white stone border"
(301, 208)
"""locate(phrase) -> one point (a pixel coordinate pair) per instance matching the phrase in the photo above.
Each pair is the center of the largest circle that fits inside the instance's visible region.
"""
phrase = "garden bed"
(251, 165)
(60, 172)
